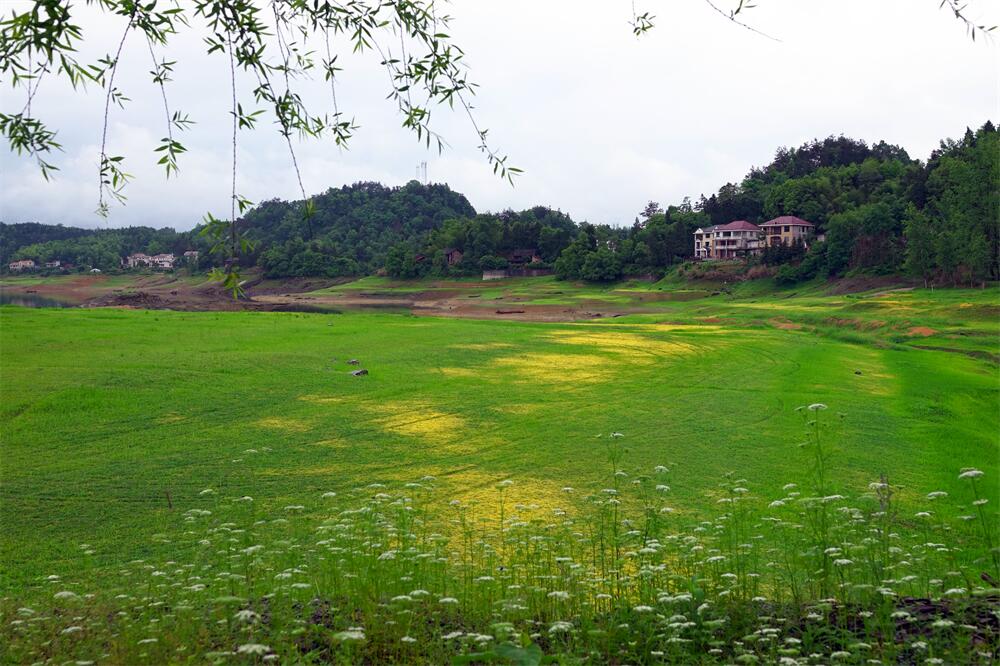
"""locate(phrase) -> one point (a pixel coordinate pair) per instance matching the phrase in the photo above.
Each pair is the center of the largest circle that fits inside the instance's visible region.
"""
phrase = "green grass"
(104, 412)
(114, 421)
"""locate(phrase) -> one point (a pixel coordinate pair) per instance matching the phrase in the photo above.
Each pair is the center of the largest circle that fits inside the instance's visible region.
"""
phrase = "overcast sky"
(599, 120)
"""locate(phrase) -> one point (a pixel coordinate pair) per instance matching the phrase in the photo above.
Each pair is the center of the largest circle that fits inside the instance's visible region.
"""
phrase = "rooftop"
(790, 220)
(739, 225)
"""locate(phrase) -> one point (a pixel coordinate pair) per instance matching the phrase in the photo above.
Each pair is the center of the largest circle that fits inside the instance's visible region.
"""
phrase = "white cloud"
(601, 121)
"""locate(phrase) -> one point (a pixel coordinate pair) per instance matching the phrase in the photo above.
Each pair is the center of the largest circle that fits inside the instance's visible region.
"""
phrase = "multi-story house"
(786, 230)
(728, 241)
(703, 241)
(21, 265)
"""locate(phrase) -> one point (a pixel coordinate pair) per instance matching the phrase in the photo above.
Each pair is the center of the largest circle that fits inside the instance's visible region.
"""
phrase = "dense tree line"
(485, 242)
(876, 211)
(90, 248)
(880, 211)
(602, 253)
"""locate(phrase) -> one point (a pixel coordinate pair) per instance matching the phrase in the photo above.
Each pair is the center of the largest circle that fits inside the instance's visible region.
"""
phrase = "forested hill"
(351, 229)
(350, 232)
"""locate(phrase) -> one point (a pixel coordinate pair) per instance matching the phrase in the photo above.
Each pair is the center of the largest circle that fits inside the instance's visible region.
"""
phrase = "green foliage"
(881, 211)
(96, 248)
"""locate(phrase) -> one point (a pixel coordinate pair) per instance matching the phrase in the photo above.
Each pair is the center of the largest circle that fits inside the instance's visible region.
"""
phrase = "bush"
(492, 263)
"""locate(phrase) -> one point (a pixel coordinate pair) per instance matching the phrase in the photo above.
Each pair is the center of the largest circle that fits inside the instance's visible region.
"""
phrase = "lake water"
(33, 301)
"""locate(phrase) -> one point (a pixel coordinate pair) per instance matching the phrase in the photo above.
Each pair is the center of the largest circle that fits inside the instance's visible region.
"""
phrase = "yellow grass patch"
(632, 345)
(478, 492)
(458, 372)
(418, 420)
(170, 418)
(283, 423)
(665, 327)
(555, 368)
(875, 377)
(321, 399)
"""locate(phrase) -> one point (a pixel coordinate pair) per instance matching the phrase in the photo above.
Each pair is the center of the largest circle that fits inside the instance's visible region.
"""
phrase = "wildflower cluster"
(404, 574)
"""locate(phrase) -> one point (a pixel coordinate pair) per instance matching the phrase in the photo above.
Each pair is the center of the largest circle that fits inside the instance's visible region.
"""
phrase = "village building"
(136, 260)
(728, 241)
(452, 255)
(22, 265)
(55, 263)
(163, 260)
(787, 230)
(142, 260)
(191, 255)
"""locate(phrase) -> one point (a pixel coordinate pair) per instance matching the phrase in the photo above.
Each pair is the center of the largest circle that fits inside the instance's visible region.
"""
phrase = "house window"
(787, 229)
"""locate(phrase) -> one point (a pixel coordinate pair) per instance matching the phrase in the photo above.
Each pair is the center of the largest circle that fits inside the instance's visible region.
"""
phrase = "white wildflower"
(560, 627)
(253, 649)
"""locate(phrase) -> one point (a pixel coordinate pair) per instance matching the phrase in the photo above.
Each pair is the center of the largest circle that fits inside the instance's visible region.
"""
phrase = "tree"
(602, 265)
(919, 244)
(399, 261)
(652, 208)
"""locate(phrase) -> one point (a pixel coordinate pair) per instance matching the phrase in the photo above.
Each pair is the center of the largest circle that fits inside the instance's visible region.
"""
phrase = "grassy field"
(115, 422)
(105, 412)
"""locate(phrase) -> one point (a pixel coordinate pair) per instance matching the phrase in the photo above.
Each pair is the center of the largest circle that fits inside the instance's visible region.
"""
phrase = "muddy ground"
(170, 292)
